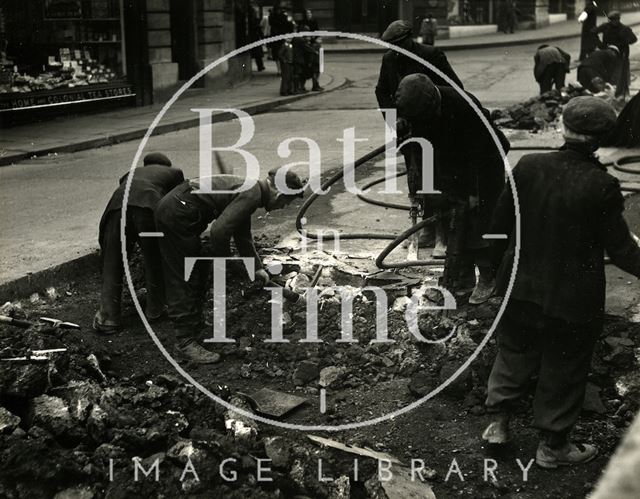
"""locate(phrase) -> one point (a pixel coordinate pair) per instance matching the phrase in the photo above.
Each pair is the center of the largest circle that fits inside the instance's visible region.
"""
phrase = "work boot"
(193, 352)
(567, 455)
(497, 433)
(484, 289)
(440, 248)
(104, 326)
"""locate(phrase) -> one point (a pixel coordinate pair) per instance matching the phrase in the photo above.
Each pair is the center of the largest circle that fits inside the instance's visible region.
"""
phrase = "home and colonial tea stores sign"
(32, 100)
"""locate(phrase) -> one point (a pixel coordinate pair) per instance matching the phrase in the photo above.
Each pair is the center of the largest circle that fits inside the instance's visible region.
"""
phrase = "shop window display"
(53, 46)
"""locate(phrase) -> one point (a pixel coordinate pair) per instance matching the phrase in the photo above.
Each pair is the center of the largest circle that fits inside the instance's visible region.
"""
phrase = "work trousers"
(553, 74)
(182, 221)
(138, 220)
(558, 352)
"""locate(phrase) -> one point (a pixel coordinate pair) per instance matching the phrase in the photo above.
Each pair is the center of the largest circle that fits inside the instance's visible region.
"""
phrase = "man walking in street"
(148, 186)
(182, 216)
(551, 64)
(588, 19)
(570, 214)
(468, 170)
(616, 33)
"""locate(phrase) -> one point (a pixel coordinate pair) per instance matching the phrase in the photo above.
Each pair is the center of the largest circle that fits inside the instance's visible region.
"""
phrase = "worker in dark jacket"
(551, 64)
(570, 214)
(616, 33)
(588, 39)
(468, 170)
(182, 216)
(602, 64)
(396, 66)
(148, 186)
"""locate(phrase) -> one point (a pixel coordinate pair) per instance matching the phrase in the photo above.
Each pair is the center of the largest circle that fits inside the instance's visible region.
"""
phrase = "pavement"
(260, 94)
(558, 31)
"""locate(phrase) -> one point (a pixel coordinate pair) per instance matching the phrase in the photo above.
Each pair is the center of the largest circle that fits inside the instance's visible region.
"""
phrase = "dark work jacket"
(570, 213)
(396, 66)
(231, 212)
(588, 39)
(603, 62)
(150, 183)
(621, 36)
(467, 161)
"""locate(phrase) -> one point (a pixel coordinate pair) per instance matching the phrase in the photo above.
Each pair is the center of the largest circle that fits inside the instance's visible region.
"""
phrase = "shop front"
(61, 56)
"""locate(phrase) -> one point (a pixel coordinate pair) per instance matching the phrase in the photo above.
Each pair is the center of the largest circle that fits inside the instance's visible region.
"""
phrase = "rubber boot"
(440, 248)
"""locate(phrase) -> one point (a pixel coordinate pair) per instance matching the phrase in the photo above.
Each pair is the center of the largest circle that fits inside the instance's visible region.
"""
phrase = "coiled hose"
(398, 239)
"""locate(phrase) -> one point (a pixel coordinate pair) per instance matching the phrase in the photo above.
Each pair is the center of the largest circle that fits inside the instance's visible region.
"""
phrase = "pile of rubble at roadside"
(70, 425)
(539, 112)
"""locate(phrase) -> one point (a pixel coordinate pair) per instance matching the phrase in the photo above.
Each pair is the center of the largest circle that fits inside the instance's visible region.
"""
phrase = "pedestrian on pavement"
(571, 212)
(468, 171)
(266, 29)
(309, 20)
(508, 16)
(616, 33)
(182, 215)
(316, 45)
(588, 39)
(279, 25)
(603, 65)
(285, 57)
(395, 66)
(255, 34)
(148, 186)
(429, 29)
(551, 64)
(303, 55)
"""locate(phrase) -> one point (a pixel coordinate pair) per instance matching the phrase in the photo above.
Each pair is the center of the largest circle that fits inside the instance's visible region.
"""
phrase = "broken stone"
(615, 342)
(305, 372)
(97, 424)
(240, 426)
(421, 384)
(80, 396)
(592, 400)
(403, 486)
(52, 414)
(278, 450)
(93, 367)
(24, 380)
(459, 386)
(75, 493)
(340, 488)
(330, 375)
(8, 421)
(52, 294)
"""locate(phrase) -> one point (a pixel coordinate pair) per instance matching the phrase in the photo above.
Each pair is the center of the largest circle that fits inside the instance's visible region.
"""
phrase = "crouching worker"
(148, 186)
(570, 214)
(182, 216)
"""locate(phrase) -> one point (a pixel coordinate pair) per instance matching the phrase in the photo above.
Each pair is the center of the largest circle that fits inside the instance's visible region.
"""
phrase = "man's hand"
(403, 127)
(262, 277)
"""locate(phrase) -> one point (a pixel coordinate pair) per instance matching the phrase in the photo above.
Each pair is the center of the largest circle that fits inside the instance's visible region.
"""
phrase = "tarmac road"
(51, 205)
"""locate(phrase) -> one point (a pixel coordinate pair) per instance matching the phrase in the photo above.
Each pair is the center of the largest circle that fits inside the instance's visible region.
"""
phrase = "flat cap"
(417, 96)
(588, 116)
(396, 31)
(156, 158)
(614, 14)
(291, 179)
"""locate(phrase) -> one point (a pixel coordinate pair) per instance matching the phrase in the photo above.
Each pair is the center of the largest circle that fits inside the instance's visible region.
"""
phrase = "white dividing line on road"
(495, 236)
(151, 234)
(321, 60)
(323, 400)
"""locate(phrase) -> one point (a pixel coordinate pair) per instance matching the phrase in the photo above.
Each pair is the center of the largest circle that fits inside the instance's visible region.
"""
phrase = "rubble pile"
(539, 112)
(71, 424)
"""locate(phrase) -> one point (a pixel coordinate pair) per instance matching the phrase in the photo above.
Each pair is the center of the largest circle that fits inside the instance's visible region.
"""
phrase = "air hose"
(398, 239)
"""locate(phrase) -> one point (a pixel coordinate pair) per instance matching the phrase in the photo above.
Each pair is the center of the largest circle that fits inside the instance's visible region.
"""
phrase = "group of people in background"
(604, 62)
(297, 58)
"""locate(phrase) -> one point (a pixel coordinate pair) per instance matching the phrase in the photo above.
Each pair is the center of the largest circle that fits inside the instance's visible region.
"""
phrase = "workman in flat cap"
(395, 66)
(148, 185)
(571, 212)
(468, 170)
(184, 214)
